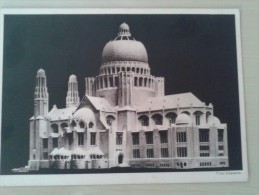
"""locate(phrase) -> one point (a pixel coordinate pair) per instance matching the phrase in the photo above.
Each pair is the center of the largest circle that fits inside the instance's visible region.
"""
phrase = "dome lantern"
(124, 30)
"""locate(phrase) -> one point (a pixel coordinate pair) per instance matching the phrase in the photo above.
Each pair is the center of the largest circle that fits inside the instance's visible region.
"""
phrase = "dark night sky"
(195, 53)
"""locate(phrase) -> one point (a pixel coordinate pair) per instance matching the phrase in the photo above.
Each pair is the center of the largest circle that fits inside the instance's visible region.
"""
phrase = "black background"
(195, 53)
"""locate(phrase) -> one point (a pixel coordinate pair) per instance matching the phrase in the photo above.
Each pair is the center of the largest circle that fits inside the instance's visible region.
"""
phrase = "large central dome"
(124, 48)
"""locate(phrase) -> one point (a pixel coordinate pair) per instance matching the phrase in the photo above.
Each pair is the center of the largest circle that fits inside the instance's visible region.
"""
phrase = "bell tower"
(72, 98)
(41, 96)
(38, 123)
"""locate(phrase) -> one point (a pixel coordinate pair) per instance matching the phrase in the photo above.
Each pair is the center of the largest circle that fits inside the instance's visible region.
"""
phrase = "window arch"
(101, 82)
(63, 126)
(207, 116)
(105, 83)
(109, 120)
(140, 81)
(135, 81)
(197, 115)
(144, 120)
(116, 84)
(91, 125)
(158, 119)
(149, 83)
(186, 112)
(171, 116)
(82, 124)
(73, 123)
(54, 128)
(145, 82)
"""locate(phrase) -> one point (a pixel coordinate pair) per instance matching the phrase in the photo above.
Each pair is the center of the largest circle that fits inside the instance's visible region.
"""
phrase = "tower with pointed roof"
(38, 122)
(72, 98)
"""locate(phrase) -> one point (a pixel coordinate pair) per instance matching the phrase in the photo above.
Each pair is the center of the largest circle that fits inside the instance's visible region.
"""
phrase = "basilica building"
(124, 120)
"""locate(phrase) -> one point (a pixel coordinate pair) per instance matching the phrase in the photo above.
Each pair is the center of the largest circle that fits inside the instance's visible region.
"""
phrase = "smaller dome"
(212, 120)
(124, 30)
(41, 73)
(124, 26)
(182, 119)
(84, 114)
(72, 78)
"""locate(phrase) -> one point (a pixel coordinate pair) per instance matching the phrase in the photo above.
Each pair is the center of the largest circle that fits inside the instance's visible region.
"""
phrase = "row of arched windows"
(106, 82)
(144, 82)
(55, 127)
(116, 70)
(171, 117)
(82, 124)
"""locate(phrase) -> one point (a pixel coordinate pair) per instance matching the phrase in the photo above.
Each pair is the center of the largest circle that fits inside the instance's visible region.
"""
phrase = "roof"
(63, 151)
(61, 114)
(100, 104)
(171, 102)
(78, 151)
(54, 152)
(95, 150)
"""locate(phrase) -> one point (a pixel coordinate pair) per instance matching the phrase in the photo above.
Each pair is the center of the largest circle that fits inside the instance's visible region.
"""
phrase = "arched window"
(54, 128)
(145, 82)
(144, 120)
(133, 69)
(63, 126)
(171, 116)
(91, 125)
(101, 82)
(116, 82)
(197, 115)
(135, 81)
(109, 120)
(137, 70)
(111, 81)
(140, 81)
(158, 119)
(73, 123)
(207, 116)
(82, 124)
(105, 83)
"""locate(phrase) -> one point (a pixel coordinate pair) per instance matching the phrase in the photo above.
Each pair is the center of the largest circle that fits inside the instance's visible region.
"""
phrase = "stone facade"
(124, 119)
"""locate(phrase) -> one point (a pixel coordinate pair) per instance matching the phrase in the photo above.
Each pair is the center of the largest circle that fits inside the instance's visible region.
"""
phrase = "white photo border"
(133, 178)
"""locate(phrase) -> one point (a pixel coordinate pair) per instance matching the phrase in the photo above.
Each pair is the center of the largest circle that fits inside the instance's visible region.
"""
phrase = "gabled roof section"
(171, 102)
(98, 103)
(61, 114)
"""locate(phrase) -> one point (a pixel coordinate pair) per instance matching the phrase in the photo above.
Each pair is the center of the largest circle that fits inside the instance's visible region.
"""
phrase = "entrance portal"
(120, 159)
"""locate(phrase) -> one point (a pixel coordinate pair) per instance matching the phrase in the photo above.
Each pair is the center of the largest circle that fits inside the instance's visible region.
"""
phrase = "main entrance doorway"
(120, 159)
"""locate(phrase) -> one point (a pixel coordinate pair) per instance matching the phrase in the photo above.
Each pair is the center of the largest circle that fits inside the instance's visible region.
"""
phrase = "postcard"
(121, 96)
